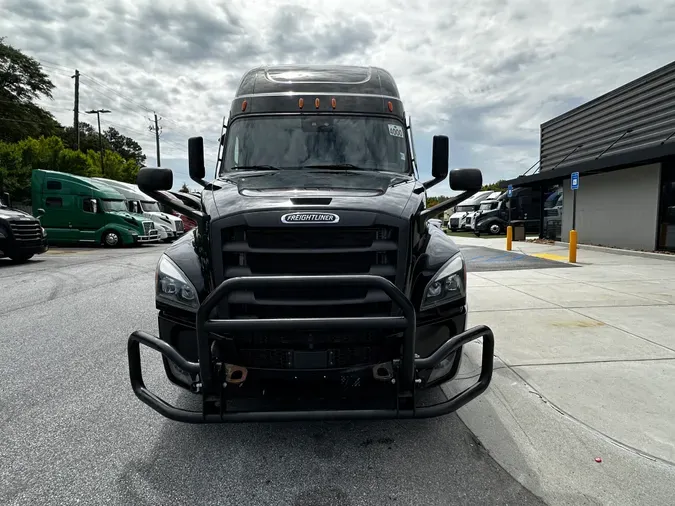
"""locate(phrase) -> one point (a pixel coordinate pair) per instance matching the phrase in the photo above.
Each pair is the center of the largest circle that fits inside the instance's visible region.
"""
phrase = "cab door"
(88, 217)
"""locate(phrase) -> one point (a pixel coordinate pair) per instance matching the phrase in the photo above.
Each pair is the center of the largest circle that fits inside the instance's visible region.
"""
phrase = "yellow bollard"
(573, 246)
(509, 237)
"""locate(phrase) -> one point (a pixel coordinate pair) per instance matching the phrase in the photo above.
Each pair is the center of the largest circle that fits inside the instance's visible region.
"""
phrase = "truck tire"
(495, 229)
(111, 239)
(19, 259)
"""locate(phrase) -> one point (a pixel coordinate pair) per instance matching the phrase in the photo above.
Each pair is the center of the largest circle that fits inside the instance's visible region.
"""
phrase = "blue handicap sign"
(509, 191)
(575, 180)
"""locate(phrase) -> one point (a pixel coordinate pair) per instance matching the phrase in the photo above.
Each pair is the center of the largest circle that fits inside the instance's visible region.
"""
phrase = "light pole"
(98, 113)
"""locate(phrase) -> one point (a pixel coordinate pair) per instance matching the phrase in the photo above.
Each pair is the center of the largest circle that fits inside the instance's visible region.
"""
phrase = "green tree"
(128, 148)
(22, 81)
(184, 188)
(88, 138)
(114, 166)
(494, 186)
(432, 201)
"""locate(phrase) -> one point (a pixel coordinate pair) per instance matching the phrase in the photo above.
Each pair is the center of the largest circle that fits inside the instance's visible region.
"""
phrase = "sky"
(486, 73)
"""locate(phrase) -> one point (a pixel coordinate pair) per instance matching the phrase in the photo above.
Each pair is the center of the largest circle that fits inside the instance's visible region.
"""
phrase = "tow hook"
(235, 374)
(383, 372)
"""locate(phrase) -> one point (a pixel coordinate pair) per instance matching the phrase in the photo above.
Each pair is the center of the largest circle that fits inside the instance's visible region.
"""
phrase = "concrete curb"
(617, 251)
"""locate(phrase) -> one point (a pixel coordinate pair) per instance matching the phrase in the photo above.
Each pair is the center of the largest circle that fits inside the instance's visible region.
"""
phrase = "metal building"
(622, 144)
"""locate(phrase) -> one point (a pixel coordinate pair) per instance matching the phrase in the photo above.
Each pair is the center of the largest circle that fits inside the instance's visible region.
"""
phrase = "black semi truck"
(21, 235)
(313, 286)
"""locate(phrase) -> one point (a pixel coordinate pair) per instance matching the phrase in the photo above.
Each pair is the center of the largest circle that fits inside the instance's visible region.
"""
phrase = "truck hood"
(138, 217)
(330, 189)
(8, 213)
(163, 218)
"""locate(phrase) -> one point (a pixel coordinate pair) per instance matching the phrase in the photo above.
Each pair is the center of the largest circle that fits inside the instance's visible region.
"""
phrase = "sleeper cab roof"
(81, 183)
(278, 89)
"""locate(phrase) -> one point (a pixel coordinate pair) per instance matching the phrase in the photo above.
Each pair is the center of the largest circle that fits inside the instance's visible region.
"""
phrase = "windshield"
(295, 142)
(552, 200)
(488, 206)
(463, 209)
(114, 205)
(150, 207)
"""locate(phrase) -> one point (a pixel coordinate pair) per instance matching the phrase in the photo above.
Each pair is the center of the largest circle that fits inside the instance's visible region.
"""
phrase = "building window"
(54, 202)
(53, 185)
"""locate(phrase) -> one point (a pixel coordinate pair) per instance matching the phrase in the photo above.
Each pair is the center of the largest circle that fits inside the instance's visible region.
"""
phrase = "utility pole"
(98, 113)
(157, 129)
(76, 110)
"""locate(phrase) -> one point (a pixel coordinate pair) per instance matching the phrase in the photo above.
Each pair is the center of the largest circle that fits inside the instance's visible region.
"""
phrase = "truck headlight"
(448, 284)
(173, 287)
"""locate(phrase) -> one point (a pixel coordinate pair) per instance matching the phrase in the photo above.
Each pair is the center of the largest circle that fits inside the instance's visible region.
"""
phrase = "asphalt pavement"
(74, 433)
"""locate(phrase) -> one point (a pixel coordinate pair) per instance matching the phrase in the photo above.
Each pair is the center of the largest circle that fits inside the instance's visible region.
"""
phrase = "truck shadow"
(434, 461)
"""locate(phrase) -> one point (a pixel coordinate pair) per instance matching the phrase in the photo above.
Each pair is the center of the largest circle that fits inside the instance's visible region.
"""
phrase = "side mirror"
(8, 200)
(466, 179)
(439, 158)
(153, 179)
(196, 158)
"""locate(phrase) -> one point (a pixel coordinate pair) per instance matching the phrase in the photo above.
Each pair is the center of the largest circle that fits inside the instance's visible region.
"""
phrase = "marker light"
(316, 103)
(301, 103)
(390, 106)
(243, 105)
(333, 103)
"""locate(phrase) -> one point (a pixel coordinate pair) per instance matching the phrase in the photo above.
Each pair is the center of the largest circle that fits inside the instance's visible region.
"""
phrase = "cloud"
(485, 72)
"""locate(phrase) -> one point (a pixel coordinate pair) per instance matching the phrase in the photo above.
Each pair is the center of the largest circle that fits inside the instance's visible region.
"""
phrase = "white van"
(170, 227)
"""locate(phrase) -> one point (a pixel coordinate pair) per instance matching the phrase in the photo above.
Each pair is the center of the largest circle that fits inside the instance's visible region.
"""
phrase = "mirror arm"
(428, 184)
(443, 206)
(201, 182)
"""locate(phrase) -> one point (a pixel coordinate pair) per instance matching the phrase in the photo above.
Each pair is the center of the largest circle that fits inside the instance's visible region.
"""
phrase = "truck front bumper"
(11, 247)
(139, 239)
(406, 371)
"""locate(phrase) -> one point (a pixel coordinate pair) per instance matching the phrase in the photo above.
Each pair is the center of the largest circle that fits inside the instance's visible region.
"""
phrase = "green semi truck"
(74, 209)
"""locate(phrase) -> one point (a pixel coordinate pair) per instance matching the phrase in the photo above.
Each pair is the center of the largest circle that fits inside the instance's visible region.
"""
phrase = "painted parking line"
(550, 256)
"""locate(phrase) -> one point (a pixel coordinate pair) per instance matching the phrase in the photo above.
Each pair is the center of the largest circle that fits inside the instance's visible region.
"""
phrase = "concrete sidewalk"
(585, 368)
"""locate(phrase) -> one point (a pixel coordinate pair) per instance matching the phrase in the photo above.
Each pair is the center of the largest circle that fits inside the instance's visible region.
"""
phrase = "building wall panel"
(646, 105)
(617, 209)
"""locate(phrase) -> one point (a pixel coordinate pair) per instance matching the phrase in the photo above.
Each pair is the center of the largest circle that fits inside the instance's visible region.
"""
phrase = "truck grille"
(26, 231)
(179, 226)
(147, 227)
(310, 251)
(247, 250)
(454, 222)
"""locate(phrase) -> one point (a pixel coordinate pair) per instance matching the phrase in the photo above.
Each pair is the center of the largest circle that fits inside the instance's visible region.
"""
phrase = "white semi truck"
(470, 219)
(458, 218)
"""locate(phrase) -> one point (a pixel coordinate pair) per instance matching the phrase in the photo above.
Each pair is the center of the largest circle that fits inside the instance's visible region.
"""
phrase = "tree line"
(31, 138)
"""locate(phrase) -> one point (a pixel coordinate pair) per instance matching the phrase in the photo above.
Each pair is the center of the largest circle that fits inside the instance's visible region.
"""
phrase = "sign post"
(509, 228)
(574, 184)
